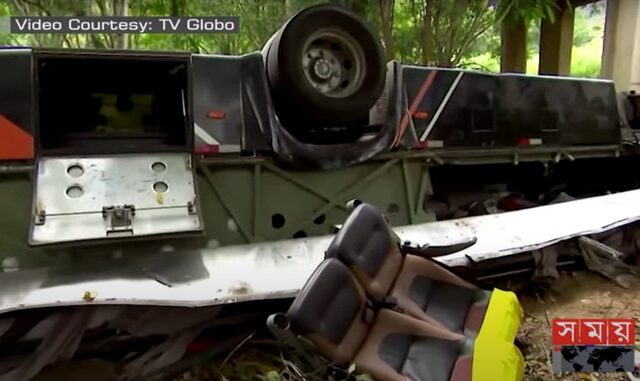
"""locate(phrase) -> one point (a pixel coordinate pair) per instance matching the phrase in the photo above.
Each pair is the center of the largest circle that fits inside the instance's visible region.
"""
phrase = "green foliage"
(272, 375)
(588, 24)
(482, 62)
(463, 33)
(586, 59)
(587, 45)
(447, 31)
(4, 12)
(406, 31)
(528, 9)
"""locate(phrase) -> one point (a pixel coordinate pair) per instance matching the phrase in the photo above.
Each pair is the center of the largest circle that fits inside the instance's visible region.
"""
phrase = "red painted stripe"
(15, 143)
(414, 106)
(207, 149)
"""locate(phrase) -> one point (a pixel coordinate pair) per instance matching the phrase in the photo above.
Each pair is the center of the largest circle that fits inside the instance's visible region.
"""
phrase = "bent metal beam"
(279, 269)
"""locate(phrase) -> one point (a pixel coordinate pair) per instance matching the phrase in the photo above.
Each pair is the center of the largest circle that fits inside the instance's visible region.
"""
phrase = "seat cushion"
(371, 250)
(447, 303)
(328, 304)
(425, 358)
(475, 316)
(363, 241)
(462, 369)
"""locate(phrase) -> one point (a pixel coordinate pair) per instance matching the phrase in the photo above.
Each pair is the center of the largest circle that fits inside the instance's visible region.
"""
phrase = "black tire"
(295, 97)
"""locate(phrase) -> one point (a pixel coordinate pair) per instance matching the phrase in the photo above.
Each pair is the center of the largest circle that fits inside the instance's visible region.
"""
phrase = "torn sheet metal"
(278, 269)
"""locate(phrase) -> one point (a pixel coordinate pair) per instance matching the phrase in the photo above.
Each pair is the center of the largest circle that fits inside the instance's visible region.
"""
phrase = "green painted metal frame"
(241, 195)
(398, 186)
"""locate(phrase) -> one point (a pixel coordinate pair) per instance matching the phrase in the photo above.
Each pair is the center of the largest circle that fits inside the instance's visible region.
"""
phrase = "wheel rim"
(333, 63)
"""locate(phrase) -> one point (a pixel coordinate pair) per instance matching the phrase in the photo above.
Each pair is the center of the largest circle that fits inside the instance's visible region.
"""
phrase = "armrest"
(430, 251)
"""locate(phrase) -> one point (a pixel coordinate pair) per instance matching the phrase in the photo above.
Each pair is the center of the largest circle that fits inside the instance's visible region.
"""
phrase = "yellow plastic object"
(495, 357)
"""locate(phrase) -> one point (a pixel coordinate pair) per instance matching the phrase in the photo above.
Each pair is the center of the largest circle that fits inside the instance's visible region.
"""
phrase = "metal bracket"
(41, 216)
(118, 218)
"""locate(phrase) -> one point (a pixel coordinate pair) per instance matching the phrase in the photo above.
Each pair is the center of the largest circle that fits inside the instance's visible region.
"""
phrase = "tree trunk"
(120, 8)
(386, 15)
(426, 33)
(513, 47)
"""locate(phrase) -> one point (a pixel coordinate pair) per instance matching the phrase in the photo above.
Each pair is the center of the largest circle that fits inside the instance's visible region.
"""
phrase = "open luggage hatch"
(397, 314)
(113, 148)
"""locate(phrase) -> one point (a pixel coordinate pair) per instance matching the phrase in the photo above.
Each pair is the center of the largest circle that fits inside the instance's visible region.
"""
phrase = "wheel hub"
(322, 69)
(333, 63)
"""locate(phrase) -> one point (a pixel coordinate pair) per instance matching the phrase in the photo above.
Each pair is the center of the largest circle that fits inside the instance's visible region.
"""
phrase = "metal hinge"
(119, 218)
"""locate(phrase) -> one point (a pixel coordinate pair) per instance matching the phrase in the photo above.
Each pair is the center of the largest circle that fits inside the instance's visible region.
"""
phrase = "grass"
(585, 61)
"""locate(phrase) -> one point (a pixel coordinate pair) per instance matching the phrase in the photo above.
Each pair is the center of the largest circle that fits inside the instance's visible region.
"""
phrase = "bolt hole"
(347, 64)
(231, 225)
(75, 191)
(75, 170)
(158, 167)
(300, 234)
(319, 220)
(277, 221)
(344, 84)
(160, 187)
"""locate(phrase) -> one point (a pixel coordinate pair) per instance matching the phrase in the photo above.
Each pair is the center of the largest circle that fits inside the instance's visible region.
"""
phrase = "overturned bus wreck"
(140, 188)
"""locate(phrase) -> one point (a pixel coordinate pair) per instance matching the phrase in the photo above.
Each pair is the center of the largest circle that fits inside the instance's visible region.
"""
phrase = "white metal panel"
(70, 195)
(279, 269)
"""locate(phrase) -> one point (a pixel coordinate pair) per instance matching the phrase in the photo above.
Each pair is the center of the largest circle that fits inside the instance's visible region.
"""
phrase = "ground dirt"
(577, 295)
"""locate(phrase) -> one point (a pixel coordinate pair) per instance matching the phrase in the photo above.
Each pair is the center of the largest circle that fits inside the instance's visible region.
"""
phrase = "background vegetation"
(462, 33)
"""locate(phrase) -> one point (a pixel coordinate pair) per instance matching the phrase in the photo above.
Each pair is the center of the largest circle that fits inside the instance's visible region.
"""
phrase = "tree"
(516, 18)
(447, 29)
(430, 32)
(386, 19)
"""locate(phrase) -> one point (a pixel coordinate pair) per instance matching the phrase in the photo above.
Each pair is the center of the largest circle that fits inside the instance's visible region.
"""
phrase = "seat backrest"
(368, 246)
(330, 310)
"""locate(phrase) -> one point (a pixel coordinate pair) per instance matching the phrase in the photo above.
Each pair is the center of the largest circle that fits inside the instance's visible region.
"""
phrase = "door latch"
(119, 218)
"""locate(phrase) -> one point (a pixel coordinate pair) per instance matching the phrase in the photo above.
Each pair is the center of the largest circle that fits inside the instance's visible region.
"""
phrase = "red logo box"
(565, 331)
(618, 332)
(593, 331)
(621, 331)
